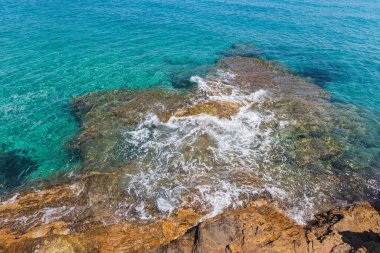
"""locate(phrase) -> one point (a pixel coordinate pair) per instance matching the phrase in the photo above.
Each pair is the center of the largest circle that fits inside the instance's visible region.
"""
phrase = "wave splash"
(204, 161)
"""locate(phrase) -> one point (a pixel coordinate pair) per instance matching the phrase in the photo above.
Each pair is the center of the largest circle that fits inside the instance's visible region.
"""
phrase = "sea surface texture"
(52, 51)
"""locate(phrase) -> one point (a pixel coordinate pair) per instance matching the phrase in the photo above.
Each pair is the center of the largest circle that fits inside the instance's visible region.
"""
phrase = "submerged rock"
(222, 109)
(242, 50)
(228, 167)
(104, 116)
(251, 127)
(15, 166)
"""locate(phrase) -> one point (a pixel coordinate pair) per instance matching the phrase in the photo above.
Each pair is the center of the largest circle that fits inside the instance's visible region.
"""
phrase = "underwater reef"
(251, 158)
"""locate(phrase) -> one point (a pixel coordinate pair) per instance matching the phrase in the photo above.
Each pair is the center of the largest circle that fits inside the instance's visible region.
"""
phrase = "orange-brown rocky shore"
(258, 227)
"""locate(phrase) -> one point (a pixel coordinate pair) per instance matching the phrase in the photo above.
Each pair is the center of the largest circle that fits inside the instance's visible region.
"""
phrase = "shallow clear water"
(51, 51)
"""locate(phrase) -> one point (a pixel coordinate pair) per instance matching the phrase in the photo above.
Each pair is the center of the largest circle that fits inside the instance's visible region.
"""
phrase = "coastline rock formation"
(229, 166)
(258, 227)
(71, 218)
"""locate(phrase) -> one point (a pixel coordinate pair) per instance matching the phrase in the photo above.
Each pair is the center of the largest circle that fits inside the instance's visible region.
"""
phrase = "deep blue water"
(53, 50)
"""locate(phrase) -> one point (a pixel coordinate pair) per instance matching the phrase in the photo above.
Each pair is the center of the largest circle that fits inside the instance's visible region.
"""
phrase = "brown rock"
(260, 227)
(355, 228)
(221, 109)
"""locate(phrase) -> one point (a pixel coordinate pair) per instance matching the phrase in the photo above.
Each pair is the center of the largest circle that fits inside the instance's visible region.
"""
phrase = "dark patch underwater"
(15, 166)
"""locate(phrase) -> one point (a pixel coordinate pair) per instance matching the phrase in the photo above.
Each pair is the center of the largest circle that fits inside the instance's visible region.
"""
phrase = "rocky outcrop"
(75, 217)
(260, 227)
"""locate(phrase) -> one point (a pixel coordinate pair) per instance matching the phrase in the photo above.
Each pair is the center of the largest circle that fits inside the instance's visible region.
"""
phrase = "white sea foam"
(53, 214)
(10, 200)
(202, 84)
(77, 188)
(201, 160)
(164, 205)
(44, 215)
(212, 163)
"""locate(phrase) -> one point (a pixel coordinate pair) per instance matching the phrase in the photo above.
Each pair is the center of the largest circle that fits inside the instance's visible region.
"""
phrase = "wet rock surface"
(258, 227)
(72, 218)
(105, 115)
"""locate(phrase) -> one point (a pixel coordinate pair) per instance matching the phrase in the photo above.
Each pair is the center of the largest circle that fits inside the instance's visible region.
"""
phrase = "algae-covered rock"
(222, 109)
(189, 170)
(105, 116)
(310, 149)
(253, 125)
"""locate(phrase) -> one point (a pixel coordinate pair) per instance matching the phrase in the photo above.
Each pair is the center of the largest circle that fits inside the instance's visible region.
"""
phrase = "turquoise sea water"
(51, 51)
